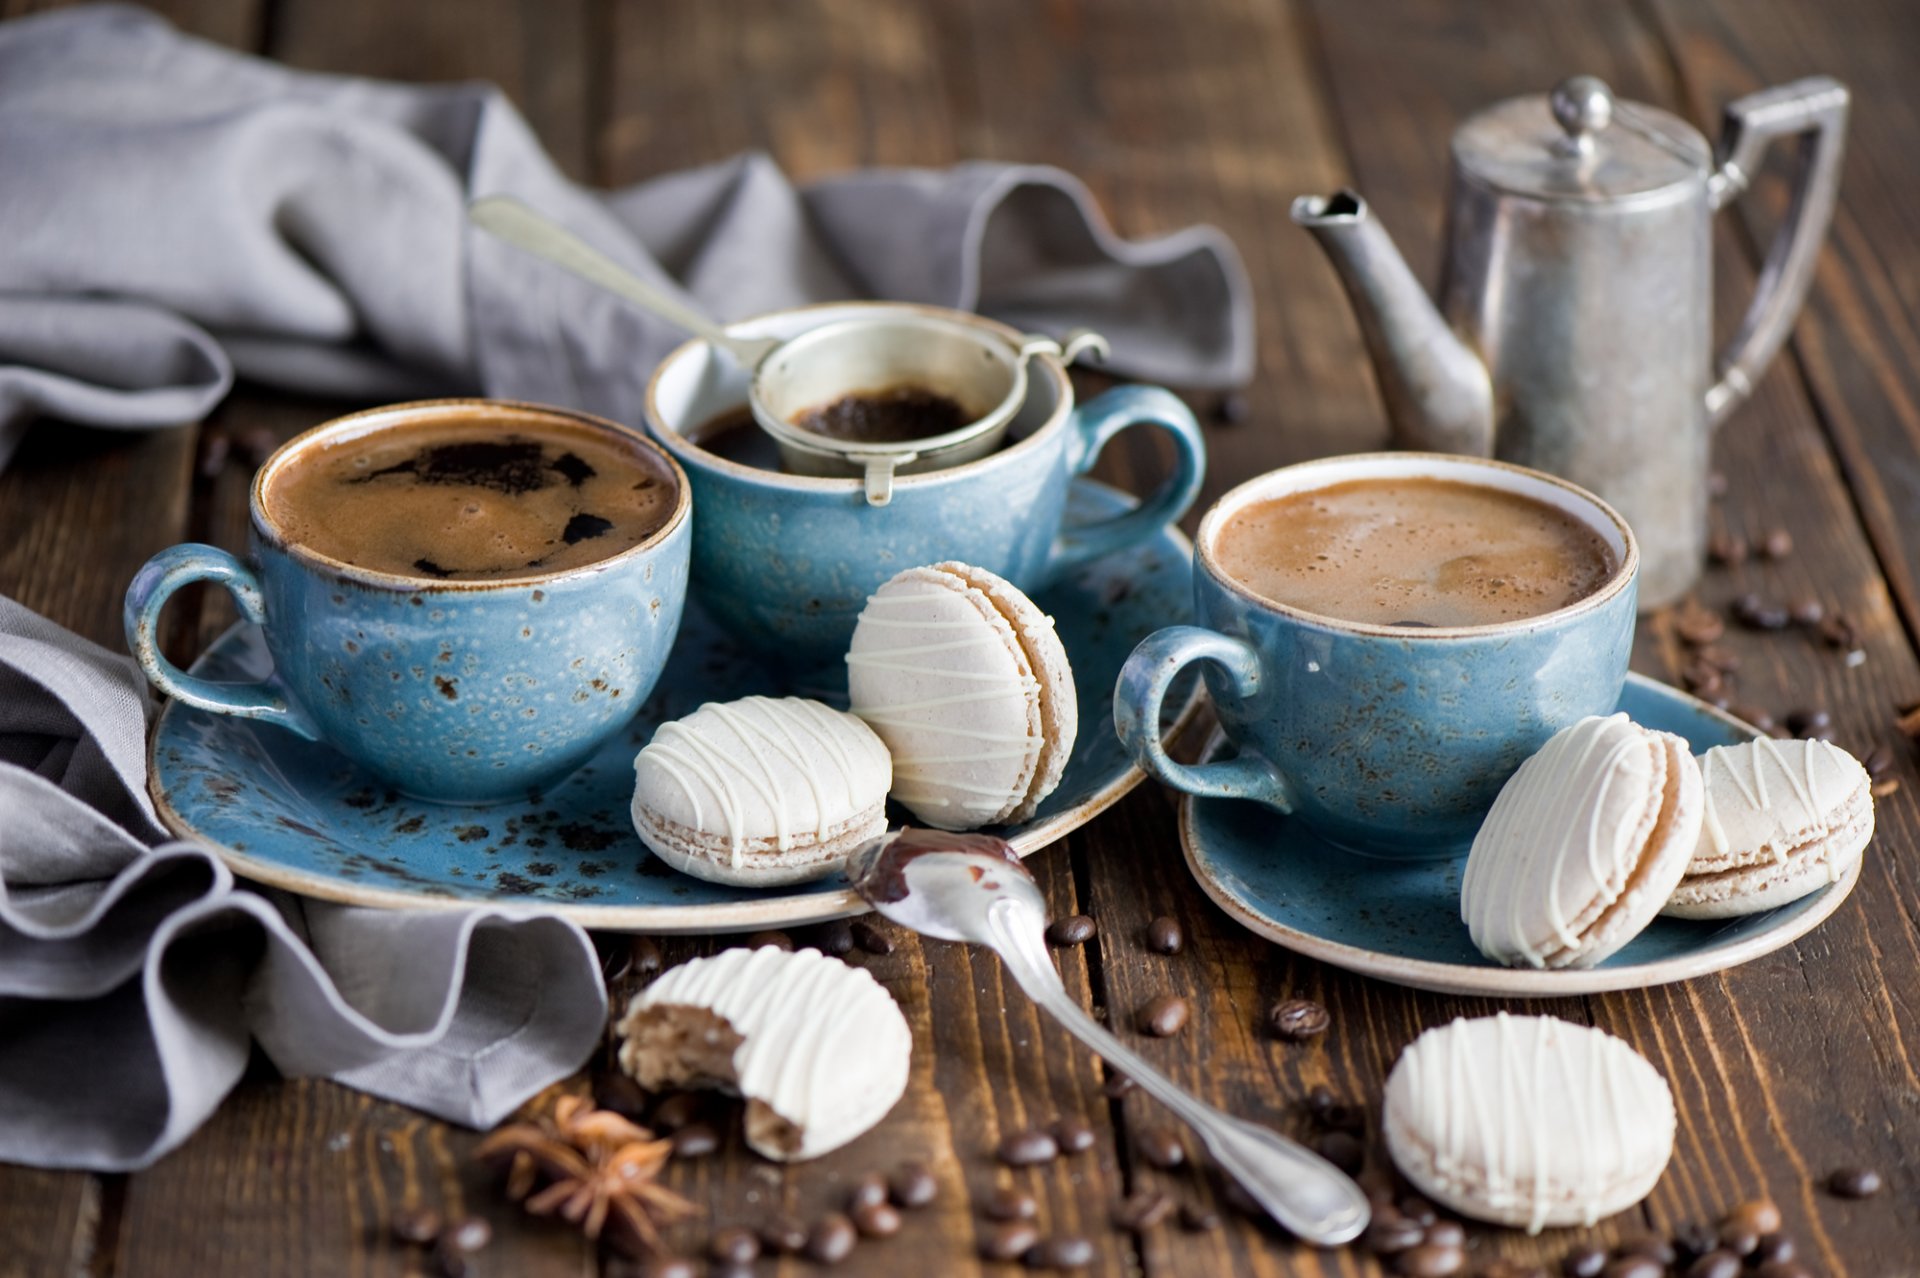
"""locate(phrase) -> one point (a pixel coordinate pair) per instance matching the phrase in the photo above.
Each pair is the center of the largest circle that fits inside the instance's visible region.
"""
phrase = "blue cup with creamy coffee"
(1386, 637)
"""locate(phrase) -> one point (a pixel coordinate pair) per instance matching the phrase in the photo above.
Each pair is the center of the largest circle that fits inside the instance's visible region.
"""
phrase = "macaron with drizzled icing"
(969, 686)
(1584, 845)
(1528, 1121)
(1783, 819)
(760, 792)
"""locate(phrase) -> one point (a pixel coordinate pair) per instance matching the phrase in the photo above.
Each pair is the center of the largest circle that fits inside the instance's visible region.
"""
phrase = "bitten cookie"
(1528, 1121)
(761, 791)
(1783, 818)
(1584, 845)
(969, 686)
(819, 1049)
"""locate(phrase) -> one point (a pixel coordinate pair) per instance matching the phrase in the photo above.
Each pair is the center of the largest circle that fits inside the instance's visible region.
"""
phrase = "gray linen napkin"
(176, 213)
(132, 976)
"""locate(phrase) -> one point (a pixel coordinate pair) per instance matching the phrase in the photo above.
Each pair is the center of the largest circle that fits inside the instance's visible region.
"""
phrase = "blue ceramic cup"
(786, 562)
(1384, 740)
(460, 691)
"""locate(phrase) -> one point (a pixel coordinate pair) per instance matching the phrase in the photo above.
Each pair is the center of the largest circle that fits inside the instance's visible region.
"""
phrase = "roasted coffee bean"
(1023, 1149)
(676, 1109)
(1738, 1239)
(1321, 1101)
(913, 1186)
(1162, 1016)
(876, 1220)
(1011, 1204)
(1778, 544)
(760, 940)
(1009, 1241)
(467, 1235)
(1838, 631)
(1697, 626)
(619, 1093)
(644, 956)
(1117, 1084)
(1142, 1209)
(1162, 1147)
(1062, 1251)
(1342, 1149)
(1587, 1261)
(1694, 1239)
(835, 938)
(1230, 409)
(417, 1225)
(1165, 936)
(449, 1261)
(1813, 722)
(1448, 1233)
(831, 1239)
(869, 1189)
(870, 938)
(786, 1235)
(1807, 611)
(1758, 614)
(1783, 1269)
(1719, 658)
(1878, 761)
(1647, 1245)
(695, 1140)
(1297, 1019)
(1725, 548)
(1419, 1211)
(1391, 1235)
(1235, 1196)
(1072, 1135)
(1715, 1264)
(1635, 1266)
(734, 1246)
(1075, 929)
(669, 1267)
(1701, 679)
(1429, 1260)
(1773, 1247)
(215, 448)
(1198, 1219)
(1853, 1182)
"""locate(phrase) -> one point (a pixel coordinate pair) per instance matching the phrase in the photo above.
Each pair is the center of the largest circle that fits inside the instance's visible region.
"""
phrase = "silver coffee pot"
(1574, 329)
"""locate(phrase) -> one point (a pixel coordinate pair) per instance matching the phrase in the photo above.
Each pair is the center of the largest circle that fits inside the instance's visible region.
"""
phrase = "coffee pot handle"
(1816, 110)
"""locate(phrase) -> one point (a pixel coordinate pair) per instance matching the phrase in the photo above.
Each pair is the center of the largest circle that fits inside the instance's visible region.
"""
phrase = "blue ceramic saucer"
(1400, 922)
(296, 815)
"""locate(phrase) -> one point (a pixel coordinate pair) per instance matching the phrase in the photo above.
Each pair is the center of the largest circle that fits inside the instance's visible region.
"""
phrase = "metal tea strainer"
(985, 374)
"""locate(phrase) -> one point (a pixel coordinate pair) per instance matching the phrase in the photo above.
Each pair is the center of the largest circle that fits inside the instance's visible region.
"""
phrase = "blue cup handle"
(153, 585)
(1094, 424)
(1143, 685)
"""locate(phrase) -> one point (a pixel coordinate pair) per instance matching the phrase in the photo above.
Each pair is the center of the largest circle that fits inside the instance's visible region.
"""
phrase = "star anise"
(599, 1171)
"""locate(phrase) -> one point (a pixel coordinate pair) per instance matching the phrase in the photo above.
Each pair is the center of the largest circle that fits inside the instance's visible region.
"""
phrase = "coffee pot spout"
(1439, 396)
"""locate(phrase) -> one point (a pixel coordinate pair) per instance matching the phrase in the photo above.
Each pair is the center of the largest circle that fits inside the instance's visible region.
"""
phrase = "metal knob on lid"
(1583, 106)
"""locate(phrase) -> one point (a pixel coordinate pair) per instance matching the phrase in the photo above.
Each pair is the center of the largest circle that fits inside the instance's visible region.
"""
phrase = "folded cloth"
(176, 213)
(133, 972)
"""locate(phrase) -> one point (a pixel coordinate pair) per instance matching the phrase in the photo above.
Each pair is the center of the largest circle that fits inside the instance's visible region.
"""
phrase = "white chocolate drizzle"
(1813, 816)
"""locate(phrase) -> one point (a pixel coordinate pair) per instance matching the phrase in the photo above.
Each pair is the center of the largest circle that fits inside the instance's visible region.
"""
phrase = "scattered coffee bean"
(870, 938)
(644, 957)
(1878, 761)
(1419, 1211)
(1806, 611)
(1062, 1251)
(1116, 1085)
(1758, 614)
(1813, 722)
(1647, 1245)
(734, 1246)
(1235, 1196)
(1009, 1241)
(786, 1235)
(619, 1093)
(1726, 549)
(1297, 1019)
(876, 1220)
(467, 1235)
(677, 1109)
(1715, 1264)
(417, 1225)
(869, 1189)
(1230, 409)
(1165, 936)
(1448, 1233)
(1586, 1261)
(1390, 1235)
(1886, 787)
(831, 1239)
(669, 1267)
(1783, 1269)
(1320, 1101)
(835, 938)
(1162, 1016)
(1778, 544)
(913, 1186)
(1702, 679)
(1694, 1239)
(1342, 1149)
(1162, 1147)
(1142, 1209)
(215, 448)
(1075, 929)
(1072, 1135)
(1697, 626)
(1719, 658)
(1853, 1182)
(778, 940)
(1838, 631)
(1429, 1260)
(1023, 1149)
(1773, 1247)
(1738, 1239)
(1011, 1204)
(1634, 1266)
(695, 1140)
(1198, 1218)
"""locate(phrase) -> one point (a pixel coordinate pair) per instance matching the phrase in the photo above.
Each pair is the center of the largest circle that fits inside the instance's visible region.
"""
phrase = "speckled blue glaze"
(1388, 741)
(457, 691)
(786, 562)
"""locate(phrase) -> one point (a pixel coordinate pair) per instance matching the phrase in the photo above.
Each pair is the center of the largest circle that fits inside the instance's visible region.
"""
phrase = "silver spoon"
(972, 888)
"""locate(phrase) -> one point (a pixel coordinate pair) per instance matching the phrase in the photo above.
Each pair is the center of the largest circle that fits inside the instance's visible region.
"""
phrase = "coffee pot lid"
(1580, 143)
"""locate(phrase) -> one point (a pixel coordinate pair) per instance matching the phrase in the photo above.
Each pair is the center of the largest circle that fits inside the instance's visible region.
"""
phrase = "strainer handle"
(1094, 424)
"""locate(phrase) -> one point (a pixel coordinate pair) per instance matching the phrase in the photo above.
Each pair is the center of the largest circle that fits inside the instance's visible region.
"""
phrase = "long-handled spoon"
(972, 888)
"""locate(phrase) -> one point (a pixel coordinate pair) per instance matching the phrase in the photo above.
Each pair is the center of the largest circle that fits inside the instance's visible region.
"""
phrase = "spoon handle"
(510, 220)
(1298, 1188)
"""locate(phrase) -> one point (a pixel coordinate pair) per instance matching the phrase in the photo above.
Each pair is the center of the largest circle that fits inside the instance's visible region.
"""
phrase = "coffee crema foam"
(475, 500)
(1414, 552)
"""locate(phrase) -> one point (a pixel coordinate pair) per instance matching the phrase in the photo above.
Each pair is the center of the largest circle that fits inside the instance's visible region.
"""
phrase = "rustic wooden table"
(1211, 110)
